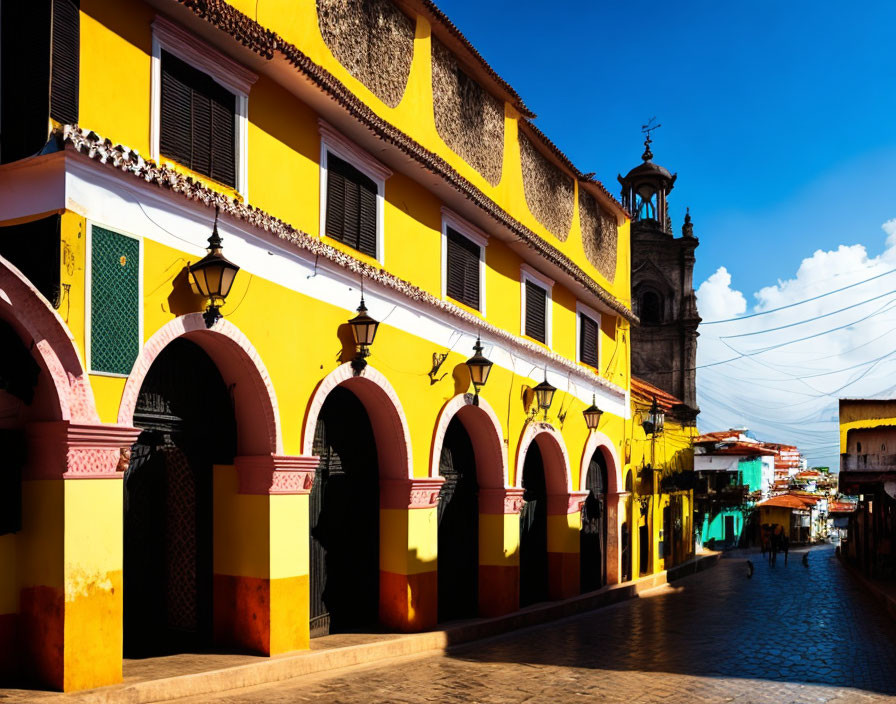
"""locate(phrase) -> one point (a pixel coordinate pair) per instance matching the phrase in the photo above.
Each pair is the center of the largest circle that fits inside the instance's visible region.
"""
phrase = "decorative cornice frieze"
(275, 474)
(128, 161)
(404, 494)
(564, 504)
(507, 500)
(65, 450)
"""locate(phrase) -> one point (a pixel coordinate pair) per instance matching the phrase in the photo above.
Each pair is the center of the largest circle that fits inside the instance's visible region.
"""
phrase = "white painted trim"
(223, 70)
(582, 309)
(190, 48)
(463, 228)
(107, 195)
(333, 142)
(527, 273)
(88, 309)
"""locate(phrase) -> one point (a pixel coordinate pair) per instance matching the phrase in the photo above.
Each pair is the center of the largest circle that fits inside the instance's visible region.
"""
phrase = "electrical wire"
(798, 303)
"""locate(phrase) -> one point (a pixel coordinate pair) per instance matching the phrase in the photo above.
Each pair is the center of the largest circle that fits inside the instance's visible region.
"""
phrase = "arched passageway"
(186, 416)
(626, 531)
(534, 530)
(344, 518)
(593, 536)
(458, 517)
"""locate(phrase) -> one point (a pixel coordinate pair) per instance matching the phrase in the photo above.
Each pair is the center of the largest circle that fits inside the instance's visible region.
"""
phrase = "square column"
(499, 550)
(409, 542)
(564, 529)
(69, 559)
(261, 539)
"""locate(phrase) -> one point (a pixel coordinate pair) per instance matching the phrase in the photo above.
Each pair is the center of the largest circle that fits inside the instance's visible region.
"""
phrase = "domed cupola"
(644, 191)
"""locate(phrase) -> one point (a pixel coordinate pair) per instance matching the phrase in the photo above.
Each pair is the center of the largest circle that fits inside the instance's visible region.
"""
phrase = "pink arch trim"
(254, 399)
(25, 308)
(482, 425)
(599, 441)
(553, 451)
(390, 426)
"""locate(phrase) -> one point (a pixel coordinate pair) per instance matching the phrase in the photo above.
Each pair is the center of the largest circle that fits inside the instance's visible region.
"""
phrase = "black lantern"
(655, 418)
(364, 331)
(214, 276)
(592, 415)
(480, 367)
(544, 392)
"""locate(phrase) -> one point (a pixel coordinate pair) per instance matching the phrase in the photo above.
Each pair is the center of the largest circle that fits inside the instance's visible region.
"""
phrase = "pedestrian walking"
(785, 546)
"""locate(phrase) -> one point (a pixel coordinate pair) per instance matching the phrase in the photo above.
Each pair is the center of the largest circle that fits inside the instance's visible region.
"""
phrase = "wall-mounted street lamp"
(653, 425)
(214, 276)
(480, 367)
(544, 393)
(592, 415)
(364, 331)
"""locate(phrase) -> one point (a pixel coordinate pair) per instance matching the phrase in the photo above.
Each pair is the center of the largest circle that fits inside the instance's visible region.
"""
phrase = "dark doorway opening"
(458, 527)
(730, 536)
(186, 413)
(534, 530)
(593, 537)
(644, 547)
(344, 519)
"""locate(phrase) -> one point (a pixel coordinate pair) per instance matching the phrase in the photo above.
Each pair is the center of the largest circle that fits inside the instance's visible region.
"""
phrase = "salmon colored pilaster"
(70, 627)
(499, 550)
(408, 553)
(261, 558)
(564, 526)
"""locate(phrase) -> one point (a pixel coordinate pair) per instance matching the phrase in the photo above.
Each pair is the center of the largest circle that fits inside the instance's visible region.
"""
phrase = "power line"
(807, 320)
(799, 303)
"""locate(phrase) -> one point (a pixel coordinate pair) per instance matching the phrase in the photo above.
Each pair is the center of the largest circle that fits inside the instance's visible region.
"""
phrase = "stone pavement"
(789, 634)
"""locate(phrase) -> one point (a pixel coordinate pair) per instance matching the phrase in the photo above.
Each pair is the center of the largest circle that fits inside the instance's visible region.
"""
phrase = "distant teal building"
(731, 470)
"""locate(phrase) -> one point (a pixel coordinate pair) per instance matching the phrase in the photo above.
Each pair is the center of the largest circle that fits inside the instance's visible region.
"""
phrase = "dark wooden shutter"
(198, 121)
(587, 340)
(65, 61)
(24, 77)
(462, 269)
(536, 312)
(351, 206)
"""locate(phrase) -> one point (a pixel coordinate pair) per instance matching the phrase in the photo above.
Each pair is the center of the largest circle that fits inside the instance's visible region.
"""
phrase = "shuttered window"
(588, 340)
(198, 121)
(462, 269)
(536, 312)
(351, 206)
(65, 61)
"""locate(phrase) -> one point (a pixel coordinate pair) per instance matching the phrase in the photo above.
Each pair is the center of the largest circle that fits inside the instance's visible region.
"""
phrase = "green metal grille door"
(115, 303)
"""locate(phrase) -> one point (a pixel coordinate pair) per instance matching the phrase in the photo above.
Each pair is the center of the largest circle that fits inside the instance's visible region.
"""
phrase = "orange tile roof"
(783, 501)
(645, 391)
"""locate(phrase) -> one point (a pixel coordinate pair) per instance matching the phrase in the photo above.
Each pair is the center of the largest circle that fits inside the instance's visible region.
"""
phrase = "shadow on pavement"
(810, 625)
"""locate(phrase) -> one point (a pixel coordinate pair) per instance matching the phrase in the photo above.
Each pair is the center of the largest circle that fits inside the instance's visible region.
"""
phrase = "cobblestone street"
(789, 634)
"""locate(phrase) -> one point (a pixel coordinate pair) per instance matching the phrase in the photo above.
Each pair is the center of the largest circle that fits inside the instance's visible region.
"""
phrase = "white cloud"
(788, 368)
(716, 300)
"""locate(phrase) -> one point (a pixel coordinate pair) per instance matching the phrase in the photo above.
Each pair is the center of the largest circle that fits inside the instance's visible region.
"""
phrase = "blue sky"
(777, 116)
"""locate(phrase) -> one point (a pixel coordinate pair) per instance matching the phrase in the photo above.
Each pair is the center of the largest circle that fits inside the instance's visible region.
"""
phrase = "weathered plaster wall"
(374, 40)
(469, 119)
(550, 193)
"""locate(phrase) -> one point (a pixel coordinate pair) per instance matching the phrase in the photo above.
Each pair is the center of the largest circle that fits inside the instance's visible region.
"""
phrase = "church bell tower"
(664, 345)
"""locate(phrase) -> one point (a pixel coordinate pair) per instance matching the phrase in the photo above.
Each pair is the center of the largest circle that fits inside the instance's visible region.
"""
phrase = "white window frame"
(476, 236)
(527, 273)
(332, 141)
(582, 309)
(88, 299)
(220, 68)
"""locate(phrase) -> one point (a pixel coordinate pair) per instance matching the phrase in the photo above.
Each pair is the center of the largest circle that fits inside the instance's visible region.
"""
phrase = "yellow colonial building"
(249, 469)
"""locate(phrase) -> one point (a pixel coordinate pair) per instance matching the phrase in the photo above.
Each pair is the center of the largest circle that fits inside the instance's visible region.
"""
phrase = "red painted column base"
(563, 574)
(499, 590)
(409, 603)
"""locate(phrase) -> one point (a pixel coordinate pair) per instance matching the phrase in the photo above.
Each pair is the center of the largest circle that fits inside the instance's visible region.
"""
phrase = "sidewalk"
(165, 678)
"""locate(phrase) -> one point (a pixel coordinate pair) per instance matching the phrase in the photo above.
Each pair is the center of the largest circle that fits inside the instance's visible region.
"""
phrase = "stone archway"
(615, 498)
(475, 576)
(550, 518)
(407, 569)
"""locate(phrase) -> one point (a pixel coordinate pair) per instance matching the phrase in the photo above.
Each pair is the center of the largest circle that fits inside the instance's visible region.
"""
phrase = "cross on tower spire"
(647, 129)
